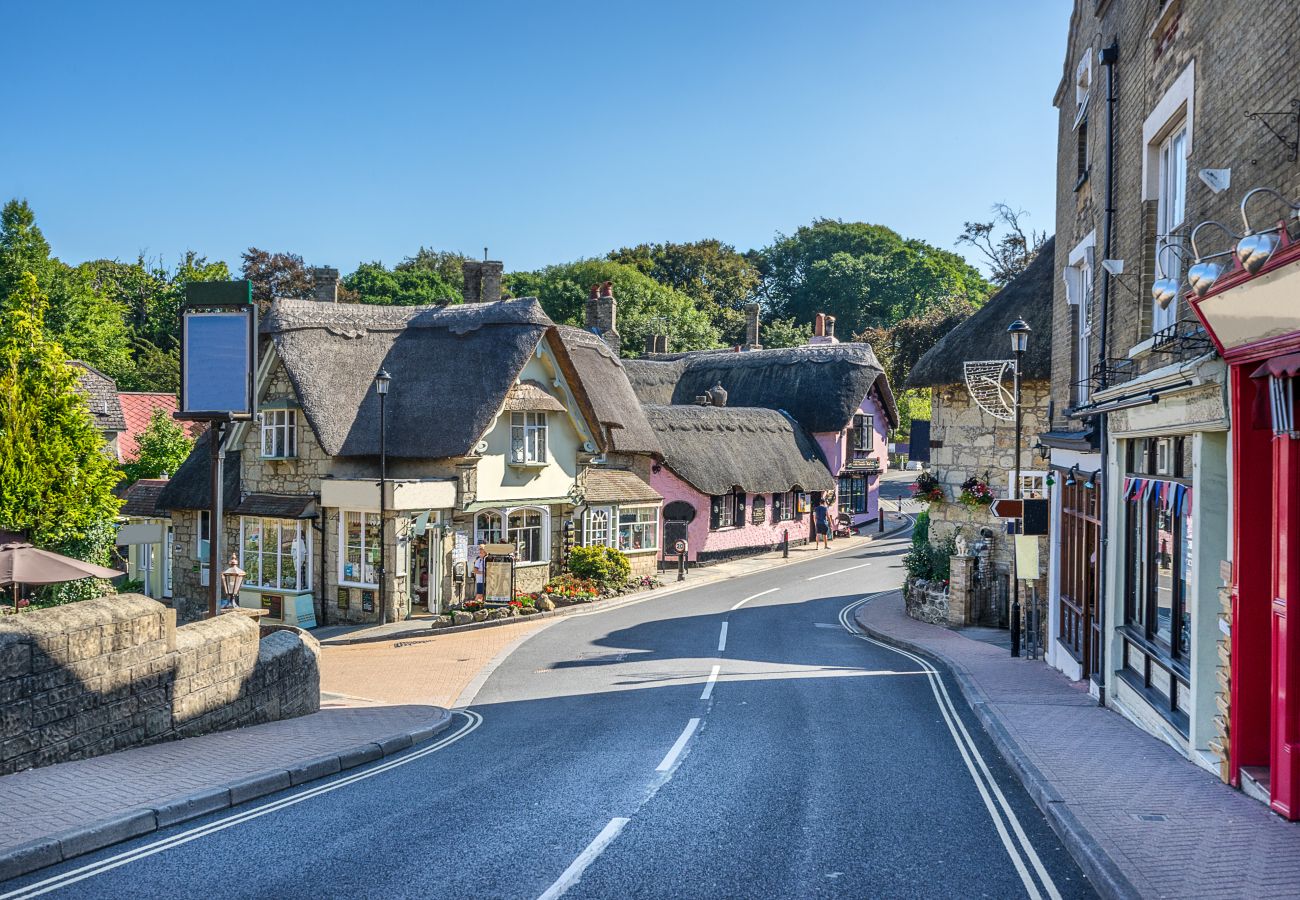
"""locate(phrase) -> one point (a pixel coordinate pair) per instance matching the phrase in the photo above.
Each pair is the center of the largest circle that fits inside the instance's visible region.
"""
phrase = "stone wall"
(102, 675)
(926, 602)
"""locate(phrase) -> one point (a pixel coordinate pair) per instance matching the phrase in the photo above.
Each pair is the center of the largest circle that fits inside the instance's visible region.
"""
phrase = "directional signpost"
(1006, 508)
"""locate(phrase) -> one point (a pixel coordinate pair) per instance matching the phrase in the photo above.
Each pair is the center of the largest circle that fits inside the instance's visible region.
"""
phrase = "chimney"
(325, 284)
(823, 330)
(751, 328)
(601, 314)
(482, 280)
(651, 344)
(661, 343)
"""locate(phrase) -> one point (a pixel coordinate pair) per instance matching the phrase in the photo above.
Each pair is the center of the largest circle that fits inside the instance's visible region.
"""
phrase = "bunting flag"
(1128, 488)
(1170, 495)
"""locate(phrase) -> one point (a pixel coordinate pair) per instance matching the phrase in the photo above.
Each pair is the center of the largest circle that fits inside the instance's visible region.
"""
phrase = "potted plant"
(928, 488)
(975, 492)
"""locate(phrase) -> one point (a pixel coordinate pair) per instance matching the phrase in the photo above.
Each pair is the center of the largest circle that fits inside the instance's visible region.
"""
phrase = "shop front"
(1254, 320)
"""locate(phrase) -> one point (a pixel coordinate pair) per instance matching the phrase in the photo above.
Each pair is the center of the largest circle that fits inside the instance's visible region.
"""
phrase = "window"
(780, 507)
(1170, 210)
(527, 532)
(1033, 485)
(852, 495)
(205, 546)
(596, 527)
(1082, 161)
(279, 433)
(274, 553)
(1078, 294)
(528, 438)
(638, 528)
(487, 528)
(1082, 86)
(359, 548)
(862, 435)
(727, 510)
(167, 562)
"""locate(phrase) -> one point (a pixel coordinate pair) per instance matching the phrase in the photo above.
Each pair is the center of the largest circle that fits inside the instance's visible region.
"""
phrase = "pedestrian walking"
(822, 523)
(480, 568)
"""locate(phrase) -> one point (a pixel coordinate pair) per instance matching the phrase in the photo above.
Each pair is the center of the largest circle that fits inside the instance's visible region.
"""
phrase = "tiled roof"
(277, 506)
(616, 486)
(101, 395)
(142, 498)
(137, 410)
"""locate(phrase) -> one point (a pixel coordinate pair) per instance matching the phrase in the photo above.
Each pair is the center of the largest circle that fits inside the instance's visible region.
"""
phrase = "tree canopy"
(644, 305)
(410, 286)
(163, 446)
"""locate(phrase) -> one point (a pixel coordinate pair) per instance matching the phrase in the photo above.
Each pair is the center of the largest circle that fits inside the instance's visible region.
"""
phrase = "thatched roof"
(606, 378)
(100, 392)
(821, 386)
(716, 448)
(599, 485)
(189, 488)
(984, 335)
(451, 366)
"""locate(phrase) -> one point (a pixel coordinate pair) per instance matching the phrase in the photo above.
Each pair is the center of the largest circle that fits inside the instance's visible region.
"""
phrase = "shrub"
(604, 565)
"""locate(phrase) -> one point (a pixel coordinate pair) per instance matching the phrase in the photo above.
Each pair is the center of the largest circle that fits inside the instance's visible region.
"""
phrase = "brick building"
(1155, 136)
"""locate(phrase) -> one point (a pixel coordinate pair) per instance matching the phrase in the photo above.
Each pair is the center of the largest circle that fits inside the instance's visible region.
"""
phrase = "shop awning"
(515, 504)
(277, 506)
(1286, 366)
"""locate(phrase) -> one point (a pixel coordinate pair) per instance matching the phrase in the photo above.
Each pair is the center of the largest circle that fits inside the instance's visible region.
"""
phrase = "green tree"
(864, 275)
(412, 286)
(163, 446)
(55, 479)
(720, 280)
(644, 305)
(275, 275)
(446, 264)
(900, 345)
(784, 333)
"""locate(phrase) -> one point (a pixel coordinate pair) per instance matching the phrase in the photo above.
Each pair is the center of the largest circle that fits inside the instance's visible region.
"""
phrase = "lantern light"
(1164, 289)
(1203, 273)
(232, 579)
(1255, 247)
(1019, 331)
(382, 380)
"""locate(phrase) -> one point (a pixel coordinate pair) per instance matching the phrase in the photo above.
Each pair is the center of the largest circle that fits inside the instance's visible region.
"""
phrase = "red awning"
(1286, 366)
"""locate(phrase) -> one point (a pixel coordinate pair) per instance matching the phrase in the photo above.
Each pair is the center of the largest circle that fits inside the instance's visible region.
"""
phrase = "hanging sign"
(1027, 557)
(218, 351)
(1006, 508)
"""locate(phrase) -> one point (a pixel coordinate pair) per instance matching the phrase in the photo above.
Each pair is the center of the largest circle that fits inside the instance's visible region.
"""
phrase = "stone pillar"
(961, 582)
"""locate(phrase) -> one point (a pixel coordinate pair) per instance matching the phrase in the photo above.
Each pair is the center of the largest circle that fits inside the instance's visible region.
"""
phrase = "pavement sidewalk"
(61, 811)
(1139, 818)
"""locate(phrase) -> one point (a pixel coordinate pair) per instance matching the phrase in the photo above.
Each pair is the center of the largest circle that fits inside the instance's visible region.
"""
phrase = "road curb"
(1104, 873)
(420, 630)
(123, 826)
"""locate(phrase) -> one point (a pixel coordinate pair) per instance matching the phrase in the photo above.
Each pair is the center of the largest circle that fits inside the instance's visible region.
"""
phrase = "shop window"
(279, 433)
(526, 529)
(596, 531)
(274, 553)
(528, 438)
(780, 507)
(488, 528)
(852, 494)
(638, 528)
(359, 548)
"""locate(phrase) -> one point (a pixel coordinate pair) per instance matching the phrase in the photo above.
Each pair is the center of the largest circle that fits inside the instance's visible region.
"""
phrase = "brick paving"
(42, 802)
(1212, 841)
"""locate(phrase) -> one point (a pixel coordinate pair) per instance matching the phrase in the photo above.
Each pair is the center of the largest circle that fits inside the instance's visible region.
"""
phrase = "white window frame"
(1079, 282)
(366, 544)
(645, 526)
(1082, 86)
(301, 567)
(544, 537)
(606, 536)
(487, 533)
(528, 438)
(1170, 215)
(1174, 112)
(279, 433)
(1037, 483)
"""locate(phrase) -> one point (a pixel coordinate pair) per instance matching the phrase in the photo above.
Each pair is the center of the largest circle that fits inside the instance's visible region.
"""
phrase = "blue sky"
(350, 132)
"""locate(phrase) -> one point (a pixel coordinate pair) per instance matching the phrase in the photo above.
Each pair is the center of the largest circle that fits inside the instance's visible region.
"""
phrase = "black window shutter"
(715, 513)
(740, 507)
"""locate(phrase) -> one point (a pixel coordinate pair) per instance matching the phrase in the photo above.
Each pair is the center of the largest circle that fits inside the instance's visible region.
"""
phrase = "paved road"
(604, 758)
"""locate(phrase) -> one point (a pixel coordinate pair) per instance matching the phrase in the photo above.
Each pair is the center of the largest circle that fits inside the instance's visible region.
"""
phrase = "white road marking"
(754, 597)
(838, 572)
(708, 685)
(473, 721)
(678, 747)
(722, 638)
(975, 765)
(571, 875)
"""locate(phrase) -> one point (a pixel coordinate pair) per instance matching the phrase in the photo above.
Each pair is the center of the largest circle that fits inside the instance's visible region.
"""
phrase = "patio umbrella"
(25, 564)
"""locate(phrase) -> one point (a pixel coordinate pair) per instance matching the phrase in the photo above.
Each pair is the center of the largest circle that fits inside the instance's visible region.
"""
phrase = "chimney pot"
(325, 284)
(718, 395)
(601, 314)
(819, 325)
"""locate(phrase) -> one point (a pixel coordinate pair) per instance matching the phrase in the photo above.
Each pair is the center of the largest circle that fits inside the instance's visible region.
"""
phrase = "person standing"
(480, 571)
(822, 523)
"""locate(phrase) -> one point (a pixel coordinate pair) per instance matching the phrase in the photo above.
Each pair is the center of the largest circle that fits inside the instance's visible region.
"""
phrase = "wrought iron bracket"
(1289, 121)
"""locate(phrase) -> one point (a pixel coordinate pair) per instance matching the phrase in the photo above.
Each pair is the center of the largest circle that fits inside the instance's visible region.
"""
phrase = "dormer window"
(279, 433)
(528, 438)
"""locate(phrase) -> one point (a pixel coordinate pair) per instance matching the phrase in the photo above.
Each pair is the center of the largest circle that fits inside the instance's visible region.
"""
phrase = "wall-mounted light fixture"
(1164, 289)
(1255, 248)
(1043, 450)
(1113, 266)
(1070, 475)
(1091, 483)
(1203, 273)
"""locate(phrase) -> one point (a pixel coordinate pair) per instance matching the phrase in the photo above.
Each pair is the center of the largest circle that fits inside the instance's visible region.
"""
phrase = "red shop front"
(1254, 321)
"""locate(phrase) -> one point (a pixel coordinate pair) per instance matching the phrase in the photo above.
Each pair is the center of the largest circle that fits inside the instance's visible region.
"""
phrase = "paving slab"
(1139, 818)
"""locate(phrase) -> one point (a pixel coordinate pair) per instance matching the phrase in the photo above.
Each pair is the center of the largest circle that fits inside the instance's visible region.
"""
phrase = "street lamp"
(232, 579)
(1019, 331)
(382, 379)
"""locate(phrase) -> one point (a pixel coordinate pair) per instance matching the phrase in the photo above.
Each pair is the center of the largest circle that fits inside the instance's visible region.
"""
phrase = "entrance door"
(436, 539)
(1080, 626)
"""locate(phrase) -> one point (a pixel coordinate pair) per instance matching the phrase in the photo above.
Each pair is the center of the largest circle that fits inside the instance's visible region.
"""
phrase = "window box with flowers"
(975, 492)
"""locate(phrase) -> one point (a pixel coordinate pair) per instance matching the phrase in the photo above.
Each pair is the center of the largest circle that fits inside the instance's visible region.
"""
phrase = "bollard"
(681, 566)
(880, 510)
(785, 544)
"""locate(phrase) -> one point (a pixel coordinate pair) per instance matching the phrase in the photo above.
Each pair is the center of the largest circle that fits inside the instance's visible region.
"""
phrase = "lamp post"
(232, 579)
(382, 380)
(1019, 331)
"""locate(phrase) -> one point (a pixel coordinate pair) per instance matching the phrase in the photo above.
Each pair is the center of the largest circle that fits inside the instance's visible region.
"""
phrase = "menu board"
(498, 581)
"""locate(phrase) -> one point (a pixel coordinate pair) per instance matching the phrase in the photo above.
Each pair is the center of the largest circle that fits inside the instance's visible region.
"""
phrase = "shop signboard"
(345, 598)
(367, 601)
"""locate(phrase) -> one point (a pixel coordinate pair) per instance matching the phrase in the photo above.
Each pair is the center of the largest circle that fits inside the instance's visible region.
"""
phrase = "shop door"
(1286, 644)
(1080, 626)
(436, 539)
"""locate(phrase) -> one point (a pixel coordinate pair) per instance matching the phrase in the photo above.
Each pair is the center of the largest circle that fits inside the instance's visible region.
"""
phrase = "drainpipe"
(1108, 57)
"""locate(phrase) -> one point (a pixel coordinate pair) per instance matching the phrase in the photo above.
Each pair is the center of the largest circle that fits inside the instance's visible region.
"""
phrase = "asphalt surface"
(821, 765)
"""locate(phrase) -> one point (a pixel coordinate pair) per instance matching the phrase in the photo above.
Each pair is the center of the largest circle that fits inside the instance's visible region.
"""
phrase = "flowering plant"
(975, 492)
(571, 587)
(927, 487)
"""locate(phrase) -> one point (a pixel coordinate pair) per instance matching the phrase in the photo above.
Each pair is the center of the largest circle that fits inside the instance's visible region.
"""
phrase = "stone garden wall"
(102, 675)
